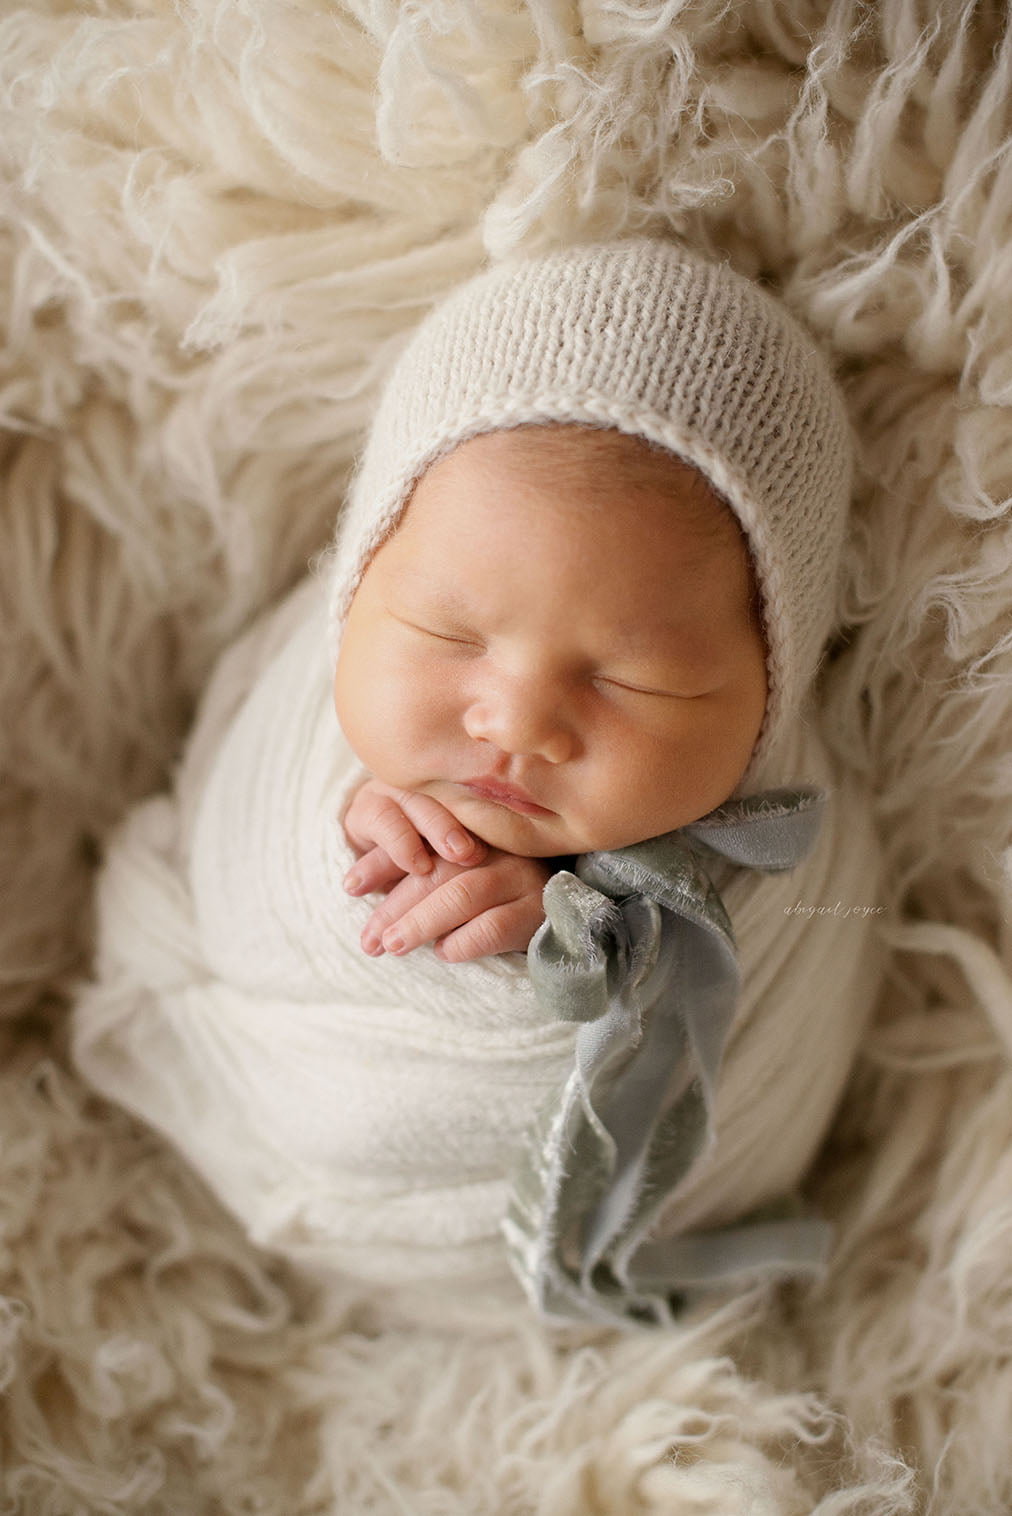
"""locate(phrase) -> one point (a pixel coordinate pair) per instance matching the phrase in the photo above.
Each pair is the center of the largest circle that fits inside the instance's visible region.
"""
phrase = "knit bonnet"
(657, 341)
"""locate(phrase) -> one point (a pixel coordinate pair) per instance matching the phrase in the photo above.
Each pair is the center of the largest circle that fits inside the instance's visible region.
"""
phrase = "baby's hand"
(492, 907)
(390, 829)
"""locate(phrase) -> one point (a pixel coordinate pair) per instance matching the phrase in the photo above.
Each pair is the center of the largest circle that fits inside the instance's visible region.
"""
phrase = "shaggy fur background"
(220, 219)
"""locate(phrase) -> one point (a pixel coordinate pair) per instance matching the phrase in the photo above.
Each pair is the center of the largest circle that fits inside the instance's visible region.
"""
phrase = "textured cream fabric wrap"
(366, 1114)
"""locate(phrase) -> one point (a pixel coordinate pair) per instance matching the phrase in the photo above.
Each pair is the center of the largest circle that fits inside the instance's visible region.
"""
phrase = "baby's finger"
(442, 910)
(382, 821)
(403, 896)
(375, 870)
(441, 829)
(504, 929)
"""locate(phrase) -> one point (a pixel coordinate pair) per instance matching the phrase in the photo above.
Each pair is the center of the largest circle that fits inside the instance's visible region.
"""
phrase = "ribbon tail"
(639, 951)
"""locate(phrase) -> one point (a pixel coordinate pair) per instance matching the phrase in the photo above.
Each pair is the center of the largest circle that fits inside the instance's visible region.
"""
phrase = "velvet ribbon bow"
(638, 949)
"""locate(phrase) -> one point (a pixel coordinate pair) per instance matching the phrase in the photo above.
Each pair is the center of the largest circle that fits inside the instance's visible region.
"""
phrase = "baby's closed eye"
(647, 685)
(641, 689)
(462, 637)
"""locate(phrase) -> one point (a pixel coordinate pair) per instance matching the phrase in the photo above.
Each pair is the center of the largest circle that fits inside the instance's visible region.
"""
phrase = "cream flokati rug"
(220, 220)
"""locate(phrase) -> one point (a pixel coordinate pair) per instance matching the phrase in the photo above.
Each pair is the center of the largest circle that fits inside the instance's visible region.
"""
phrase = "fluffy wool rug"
(219, 221)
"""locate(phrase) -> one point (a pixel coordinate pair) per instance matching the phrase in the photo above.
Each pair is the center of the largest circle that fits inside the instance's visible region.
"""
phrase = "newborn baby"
(515, 661)
(572, 620)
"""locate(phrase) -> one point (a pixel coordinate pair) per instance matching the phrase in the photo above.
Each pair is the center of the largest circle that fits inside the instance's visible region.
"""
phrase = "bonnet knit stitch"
(654, 340)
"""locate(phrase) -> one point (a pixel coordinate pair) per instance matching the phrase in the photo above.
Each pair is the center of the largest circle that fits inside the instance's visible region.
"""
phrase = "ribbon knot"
(638, 949)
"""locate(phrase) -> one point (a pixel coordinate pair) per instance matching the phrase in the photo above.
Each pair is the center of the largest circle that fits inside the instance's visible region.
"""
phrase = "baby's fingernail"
(393, 942)
(422, 863)
(459, 842)
(353, 881)
(371, 944)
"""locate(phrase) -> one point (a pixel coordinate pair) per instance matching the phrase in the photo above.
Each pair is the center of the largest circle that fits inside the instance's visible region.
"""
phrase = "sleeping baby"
(516, 642)
(463, 949)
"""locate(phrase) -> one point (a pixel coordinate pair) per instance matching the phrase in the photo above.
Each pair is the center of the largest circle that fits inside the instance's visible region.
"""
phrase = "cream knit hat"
(654, 340)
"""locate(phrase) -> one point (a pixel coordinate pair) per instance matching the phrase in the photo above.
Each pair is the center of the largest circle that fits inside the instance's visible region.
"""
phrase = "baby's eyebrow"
(442, 597)
(685, 645)
(685, 641)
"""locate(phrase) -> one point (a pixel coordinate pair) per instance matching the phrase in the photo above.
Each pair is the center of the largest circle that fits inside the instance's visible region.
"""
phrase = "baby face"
(559, 643)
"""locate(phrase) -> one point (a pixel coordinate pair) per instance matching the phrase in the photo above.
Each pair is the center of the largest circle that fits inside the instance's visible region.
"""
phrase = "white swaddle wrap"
(367, 1114)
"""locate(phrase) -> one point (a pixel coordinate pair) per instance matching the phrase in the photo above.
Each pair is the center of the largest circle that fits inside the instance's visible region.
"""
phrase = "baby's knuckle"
(410, 804)
(457, 895)
(393, 816)
(398, 827)
(485, 935)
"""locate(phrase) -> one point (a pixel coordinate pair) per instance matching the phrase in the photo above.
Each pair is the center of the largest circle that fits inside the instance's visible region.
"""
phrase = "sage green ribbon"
(638, 948)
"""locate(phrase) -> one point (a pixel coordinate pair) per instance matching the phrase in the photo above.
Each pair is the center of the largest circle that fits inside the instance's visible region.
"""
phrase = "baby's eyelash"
(635, 689)
(642, 689)
(429, 631)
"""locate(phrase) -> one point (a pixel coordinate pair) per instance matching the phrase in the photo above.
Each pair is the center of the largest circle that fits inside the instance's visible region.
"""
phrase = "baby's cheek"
(360, 704)
(392, 730)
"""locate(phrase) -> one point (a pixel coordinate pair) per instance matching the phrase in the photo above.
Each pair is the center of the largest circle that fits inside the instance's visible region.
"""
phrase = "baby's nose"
(522, 717)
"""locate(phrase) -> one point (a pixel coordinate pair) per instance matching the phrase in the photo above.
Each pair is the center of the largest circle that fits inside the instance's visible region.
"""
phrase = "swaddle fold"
(368, 1115)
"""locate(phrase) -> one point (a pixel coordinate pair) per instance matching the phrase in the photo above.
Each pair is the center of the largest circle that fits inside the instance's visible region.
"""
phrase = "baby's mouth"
(488, 787)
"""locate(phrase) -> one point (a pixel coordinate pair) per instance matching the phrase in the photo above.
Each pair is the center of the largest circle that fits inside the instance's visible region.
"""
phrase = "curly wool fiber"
(219, 225)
